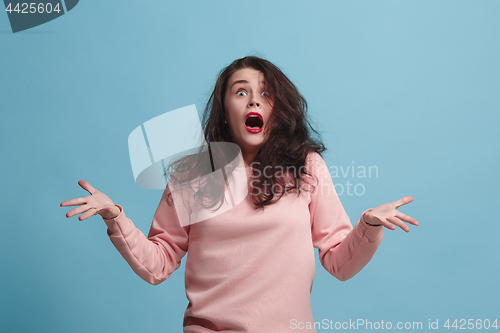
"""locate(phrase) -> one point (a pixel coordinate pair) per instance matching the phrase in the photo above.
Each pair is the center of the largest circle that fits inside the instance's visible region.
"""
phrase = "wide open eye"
(241, 93)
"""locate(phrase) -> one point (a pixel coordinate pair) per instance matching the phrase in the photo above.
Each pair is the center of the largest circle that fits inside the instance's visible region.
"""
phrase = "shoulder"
(314, 161)
(314, 156)
(316, 168)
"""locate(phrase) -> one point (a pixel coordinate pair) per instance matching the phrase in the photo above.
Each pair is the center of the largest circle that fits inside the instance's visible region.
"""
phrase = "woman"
(251, 268)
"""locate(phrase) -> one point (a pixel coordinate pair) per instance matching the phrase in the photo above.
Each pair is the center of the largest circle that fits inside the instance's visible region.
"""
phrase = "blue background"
(411, 87)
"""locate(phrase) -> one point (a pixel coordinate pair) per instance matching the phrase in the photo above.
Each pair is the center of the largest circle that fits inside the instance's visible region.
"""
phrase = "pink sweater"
(250, 270)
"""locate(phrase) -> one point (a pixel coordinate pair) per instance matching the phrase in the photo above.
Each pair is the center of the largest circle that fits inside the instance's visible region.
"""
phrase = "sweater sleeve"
(343, 250)
(154, 258)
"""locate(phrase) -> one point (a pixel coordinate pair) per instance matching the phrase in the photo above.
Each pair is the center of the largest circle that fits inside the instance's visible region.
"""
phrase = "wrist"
(364, 215)
(116, 210)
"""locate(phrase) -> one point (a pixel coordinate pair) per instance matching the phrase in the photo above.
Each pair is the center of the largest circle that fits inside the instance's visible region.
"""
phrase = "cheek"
(269, 114)
(229, 106)
(231, 119)
(233, 111)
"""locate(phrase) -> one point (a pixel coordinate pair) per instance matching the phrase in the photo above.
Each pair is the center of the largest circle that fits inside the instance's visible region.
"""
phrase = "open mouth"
(254, 122)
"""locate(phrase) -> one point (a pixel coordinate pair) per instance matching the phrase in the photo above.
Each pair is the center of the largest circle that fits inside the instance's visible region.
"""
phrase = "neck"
(249, 158)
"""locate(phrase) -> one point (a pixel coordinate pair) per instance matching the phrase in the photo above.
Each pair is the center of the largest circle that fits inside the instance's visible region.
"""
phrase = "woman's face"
(248, 108)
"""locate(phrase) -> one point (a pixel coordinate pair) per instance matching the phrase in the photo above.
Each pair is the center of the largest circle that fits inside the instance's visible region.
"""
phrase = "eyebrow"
(244, 81)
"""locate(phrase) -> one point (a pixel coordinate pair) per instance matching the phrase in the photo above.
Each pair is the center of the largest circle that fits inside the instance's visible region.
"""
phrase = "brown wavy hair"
(289, 142)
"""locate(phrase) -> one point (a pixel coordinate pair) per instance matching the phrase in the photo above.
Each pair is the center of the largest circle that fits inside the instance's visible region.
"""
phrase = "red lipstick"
(254, 129)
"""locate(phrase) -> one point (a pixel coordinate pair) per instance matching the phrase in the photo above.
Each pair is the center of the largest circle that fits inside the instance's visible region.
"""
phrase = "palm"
(95, 203)
(389, 216)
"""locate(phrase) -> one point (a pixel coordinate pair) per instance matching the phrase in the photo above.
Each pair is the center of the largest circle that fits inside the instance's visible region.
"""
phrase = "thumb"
(403, 201)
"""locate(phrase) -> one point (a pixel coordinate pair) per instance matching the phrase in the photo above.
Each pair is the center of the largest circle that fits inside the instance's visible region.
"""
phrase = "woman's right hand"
(95, 203)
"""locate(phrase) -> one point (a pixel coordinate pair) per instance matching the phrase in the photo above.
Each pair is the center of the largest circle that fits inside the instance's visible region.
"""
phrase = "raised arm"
(154, 258)
(343, 250)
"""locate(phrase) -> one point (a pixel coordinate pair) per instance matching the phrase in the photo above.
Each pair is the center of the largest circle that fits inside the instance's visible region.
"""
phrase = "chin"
(253, 144)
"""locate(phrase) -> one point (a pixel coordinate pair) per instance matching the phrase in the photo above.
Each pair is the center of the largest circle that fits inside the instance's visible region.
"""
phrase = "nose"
(254, 102)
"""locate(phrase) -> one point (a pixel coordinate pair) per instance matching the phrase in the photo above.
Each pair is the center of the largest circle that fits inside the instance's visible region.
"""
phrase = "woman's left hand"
(389, 216)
